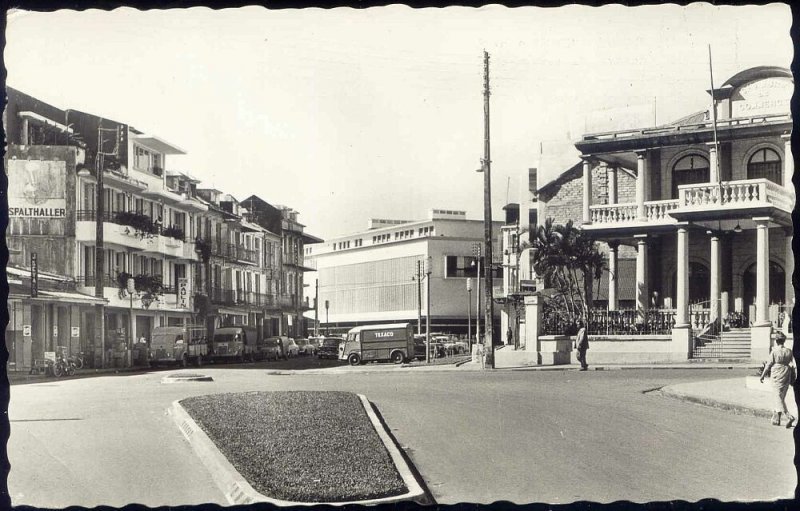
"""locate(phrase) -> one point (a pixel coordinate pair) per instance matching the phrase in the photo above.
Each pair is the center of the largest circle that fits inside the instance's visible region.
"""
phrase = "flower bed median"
(299, 446)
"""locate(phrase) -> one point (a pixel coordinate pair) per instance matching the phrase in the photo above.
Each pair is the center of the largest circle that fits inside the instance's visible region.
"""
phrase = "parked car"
(313, 344)
(285, 344)
(329, 347)
(437, 348)
(306, 347)
(269, 349)
(290, 348)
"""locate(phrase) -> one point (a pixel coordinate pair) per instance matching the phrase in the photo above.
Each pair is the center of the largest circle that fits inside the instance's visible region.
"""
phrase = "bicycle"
(77, 360)
(63, 365)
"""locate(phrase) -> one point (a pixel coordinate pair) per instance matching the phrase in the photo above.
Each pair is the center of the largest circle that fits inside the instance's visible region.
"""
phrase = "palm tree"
(568, 261)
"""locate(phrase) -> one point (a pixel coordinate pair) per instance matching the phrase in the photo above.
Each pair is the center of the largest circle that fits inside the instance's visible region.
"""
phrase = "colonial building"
(699, 214)
(52, 163)
(379, 275)
(286, 262)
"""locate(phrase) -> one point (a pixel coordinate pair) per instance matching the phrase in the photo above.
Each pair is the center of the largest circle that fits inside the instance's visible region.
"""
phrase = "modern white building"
(379, 275)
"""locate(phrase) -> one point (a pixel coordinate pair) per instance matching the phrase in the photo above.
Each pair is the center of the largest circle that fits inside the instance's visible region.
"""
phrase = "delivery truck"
(181, 345)
(378, 343)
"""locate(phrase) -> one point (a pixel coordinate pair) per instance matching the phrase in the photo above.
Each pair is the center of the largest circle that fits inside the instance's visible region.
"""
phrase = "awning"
(157, 144)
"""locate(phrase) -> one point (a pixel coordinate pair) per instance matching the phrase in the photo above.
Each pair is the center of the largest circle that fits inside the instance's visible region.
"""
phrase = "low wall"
(625, 349)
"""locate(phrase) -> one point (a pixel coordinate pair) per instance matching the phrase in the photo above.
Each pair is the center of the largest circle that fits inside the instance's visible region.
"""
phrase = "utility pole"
(487, 215)
(469, 313)
(99, 262)
(316, 307)
(428, 313)
(419, 297)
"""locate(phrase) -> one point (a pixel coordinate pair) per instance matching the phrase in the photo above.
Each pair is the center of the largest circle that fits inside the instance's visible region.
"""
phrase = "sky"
(346, 115)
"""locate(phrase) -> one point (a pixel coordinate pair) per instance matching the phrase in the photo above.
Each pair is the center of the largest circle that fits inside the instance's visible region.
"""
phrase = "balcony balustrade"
(613, 213)
(658, 210)
(749, 194)
(735, 194)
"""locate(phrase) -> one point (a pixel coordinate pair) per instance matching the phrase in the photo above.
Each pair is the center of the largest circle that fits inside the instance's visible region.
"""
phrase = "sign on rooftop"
(762, 97)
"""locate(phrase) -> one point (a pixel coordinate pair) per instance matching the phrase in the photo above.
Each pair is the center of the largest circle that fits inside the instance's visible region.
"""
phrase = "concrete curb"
(238, 491)
(669, 391)
(180, 378)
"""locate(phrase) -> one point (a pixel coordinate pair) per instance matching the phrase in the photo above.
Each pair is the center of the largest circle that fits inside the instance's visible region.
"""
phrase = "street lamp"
(327, 323)
(476, 251)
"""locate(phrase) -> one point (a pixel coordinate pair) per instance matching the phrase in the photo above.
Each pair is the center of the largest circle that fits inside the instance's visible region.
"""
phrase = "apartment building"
(373, 276)
(286, 268)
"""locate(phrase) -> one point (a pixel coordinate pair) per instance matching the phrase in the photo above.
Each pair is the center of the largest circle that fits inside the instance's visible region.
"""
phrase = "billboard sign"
(37, 189)
(183, 293)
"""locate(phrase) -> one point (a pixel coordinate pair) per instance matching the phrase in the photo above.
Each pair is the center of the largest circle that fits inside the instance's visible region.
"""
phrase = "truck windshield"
(226, 337)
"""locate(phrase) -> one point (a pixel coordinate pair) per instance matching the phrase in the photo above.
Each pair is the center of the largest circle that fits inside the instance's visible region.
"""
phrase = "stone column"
(713, 172)
(533, 317)
(611, 172)
(762, 271)
(761, 331)
(788, 160)
(714, 295)
(587, 190)
(641, 184)
(613, 302)
(682, 343)
(642, 289)
(23, 138)
(682, 277)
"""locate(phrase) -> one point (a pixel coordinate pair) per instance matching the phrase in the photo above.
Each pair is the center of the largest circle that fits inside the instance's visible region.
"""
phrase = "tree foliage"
(568, 261)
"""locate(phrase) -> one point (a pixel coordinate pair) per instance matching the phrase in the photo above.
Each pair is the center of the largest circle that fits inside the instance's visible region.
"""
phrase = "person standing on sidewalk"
(582, 344)
(782, 372)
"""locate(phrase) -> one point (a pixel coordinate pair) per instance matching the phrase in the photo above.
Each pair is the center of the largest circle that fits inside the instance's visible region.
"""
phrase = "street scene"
(381, 257)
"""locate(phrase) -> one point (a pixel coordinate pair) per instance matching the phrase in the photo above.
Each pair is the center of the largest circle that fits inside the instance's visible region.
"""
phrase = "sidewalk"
(18, 377)
(744, 395)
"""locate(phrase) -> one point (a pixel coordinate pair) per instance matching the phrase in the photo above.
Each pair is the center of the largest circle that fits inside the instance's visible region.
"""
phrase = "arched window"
(689, 170)
(765, 163)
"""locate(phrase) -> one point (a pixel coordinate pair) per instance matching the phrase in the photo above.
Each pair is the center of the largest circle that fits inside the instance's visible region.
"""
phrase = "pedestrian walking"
(582, 344)
(782, 371)
(509, 336)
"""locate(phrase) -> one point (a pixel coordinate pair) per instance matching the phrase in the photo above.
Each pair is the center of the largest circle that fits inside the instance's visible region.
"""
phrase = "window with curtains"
(690, 169)
(765, 163)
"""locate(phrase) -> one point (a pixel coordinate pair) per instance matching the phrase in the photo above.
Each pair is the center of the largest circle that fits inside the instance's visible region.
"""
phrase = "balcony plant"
(173, 231)
(149, 287)
(142, 226)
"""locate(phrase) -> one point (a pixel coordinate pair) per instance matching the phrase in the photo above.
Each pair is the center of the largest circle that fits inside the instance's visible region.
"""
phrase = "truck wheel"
(397, 357)
(354, 359)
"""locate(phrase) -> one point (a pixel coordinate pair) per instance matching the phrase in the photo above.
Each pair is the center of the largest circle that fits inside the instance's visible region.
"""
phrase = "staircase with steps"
(733, 344)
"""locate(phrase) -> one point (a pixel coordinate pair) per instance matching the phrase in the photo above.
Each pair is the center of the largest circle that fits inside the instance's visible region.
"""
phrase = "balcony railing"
(631, 322)
(698, 197)
(744, 193)
(613, 213)
(138, 221)
(658, 210)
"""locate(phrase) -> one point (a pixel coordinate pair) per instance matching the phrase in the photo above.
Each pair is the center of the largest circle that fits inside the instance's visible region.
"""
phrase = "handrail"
(668, 129)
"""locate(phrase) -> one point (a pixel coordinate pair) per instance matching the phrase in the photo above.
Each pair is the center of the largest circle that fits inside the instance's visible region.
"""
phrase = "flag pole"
(714, 123)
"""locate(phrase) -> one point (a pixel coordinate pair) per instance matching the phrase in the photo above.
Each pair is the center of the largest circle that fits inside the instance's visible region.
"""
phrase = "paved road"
(475, 437)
